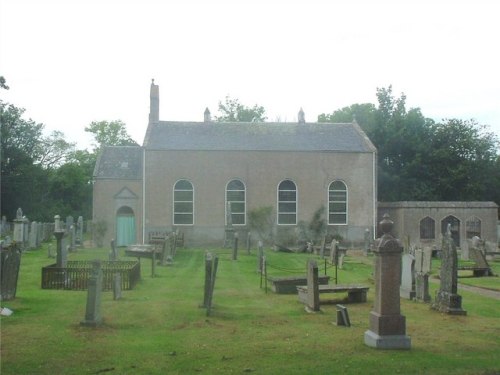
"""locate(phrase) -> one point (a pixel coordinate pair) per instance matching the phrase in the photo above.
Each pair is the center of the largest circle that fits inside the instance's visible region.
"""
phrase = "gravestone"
(343, 316)
(387, 325)
(79, 231)
(117, 286)
(69, 222)
(57, 223)
(322, 248)
(312, 286)
(10, 261)
(113, 254)
(340, 259)
(235, 246)
(333, 252)
(447, 300)
(422, 270)
(33, 235)
(211, 264)
(93, 308)
(260, 255)
(61, 257)
(18, 235)
(367, 238)
(407, 288)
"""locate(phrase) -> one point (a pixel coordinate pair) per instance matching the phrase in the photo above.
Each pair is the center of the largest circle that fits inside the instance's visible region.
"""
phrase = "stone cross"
(447, 300)
(93, 309)
(387, 325)
(312, 286)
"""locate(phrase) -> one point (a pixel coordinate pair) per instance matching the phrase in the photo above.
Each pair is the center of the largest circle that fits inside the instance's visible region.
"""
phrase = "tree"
(365, 114)
(233, 111)
(110, 133)
(3, 84)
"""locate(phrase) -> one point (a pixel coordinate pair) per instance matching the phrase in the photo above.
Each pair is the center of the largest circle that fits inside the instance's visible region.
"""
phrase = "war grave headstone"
(387, 325)
(422, 270)
(93, 316)
(447, 299)
(407, 288)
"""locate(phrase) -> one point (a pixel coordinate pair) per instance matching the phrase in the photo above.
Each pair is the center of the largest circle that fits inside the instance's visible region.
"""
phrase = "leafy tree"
(233, 111)
(365, 114)
(110, 133)
(3, 84)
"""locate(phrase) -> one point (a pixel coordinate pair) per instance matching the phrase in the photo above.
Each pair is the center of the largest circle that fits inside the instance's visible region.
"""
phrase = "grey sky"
(72, 62)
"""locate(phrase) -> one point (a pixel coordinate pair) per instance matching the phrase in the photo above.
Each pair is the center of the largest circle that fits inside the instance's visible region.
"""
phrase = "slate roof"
(119, 162)
(268, 136)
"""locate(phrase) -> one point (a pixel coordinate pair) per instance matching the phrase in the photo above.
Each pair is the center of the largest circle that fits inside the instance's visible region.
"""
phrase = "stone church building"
(185, 174)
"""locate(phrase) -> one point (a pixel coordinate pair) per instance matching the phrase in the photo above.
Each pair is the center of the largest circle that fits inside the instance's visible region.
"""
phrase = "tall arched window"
(473, 227)
(427, 228)
(287, 203)
(183, 203)
(235, 199)
(337, 203)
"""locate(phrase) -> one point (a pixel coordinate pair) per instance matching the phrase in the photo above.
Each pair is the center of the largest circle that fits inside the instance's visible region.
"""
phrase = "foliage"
(109, 133)
(419, 159)
(233, 111)
(261, 220)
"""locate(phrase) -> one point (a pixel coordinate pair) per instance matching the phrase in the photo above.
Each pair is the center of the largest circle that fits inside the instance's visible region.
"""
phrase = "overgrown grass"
(158, 328)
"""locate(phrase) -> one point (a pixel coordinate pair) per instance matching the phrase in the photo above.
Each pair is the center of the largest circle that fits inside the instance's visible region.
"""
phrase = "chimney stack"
(154, 102)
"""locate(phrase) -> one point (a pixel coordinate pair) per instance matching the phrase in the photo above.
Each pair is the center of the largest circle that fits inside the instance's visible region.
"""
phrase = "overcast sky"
(71, 62)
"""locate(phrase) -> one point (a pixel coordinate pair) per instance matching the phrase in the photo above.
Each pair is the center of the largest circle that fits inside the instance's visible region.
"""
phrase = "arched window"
(473, 227)
(427, 228)
(235, 203)
(183, 203)
(287, 203)
(337, 203)
(454, 223)
(125, 226)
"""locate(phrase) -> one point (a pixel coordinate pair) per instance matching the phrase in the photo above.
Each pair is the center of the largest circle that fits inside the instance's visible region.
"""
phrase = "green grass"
(158, 328)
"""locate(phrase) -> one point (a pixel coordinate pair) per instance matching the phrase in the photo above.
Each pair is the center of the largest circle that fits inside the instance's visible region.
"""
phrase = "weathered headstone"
(312, 286)
(447, 300)
(93, 316)
(10, 262)
(407, 288)
(117, 286)
(343, 316)
(113, 254)
(367, 239)
(387, 325)
(79, 231)
(211, 264)
(61, 250)
(260, 255)
(422, 271)
(235, 246)
(333, 252)
(33, 235)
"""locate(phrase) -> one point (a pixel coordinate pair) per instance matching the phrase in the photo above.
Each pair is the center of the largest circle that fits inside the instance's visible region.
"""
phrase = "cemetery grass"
(158, 328)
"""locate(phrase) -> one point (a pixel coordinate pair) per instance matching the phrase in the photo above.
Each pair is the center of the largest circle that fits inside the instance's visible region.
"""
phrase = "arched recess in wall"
(125, 226)
(454, 226)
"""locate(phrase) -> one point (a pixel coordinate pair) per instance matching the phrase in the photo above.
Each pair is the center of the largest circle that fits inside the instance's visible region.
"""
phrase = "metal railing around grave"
(76, 274)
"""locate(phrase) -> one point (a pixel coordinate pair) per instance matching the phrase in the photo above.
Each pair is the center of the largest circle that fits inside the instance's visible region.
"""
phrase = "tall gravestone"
(79, 231)
(312, 286)
(93, 316)
(407, 288)
(18, 235)
(422, 270)
(33, 235)
(387, 325)
(447, 299)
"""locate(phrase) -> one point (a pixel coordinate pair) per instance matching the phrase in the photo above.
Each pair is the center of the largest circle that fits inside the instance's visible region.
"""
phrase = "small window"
(183, 203)
(235, 199)
(337, 203)
(287, 203)
(473, 227)
(427, 228)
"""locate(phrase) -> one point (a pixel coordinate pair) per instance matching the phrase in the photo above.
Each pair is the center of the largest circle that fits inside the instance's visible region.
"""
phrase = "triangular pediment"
(125, 193)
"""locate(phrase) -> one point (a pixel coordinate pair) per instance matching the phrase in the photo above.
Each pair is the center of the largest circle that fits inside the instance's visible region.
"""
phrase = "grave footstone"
(93, 316)
(343, 316)
(387, 325)
(447, 299)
